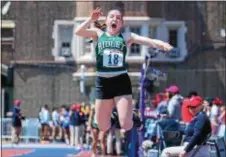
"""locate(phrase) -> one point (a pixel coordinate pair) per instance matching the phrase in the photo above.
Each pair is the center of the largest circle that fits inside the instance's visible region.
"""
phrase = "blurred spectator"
(165, 123)
(163, 103)
(222, 120)
(93, 127)
(136, 118)
(56, 123)
(74, 125)
(175, 101)
(208, 103)
(86, 115)
(81, 111)
(114, 131)
(16, 122)
(214, 114)
(157, 99)
(195, 134)
(61, 131)
(137, 125)
(65, 122)
(186, 115)
(44, 117)
(84, 109)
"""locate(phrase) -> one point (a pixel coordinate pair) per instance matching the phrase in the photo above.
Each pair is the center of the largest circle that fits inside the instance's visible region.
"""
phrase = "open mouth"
(113, 25)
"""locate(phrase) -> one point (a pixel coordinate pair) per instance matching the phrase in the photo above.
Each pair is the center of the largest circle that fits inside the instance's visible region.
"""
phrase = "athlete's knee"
(103, 123)
(103, 127)
(126, 124)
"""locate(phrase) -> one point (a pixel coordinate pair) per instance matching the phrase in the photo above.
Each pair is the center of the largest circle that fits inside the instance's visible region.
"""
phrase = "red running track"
(15, 152)
(88, 154)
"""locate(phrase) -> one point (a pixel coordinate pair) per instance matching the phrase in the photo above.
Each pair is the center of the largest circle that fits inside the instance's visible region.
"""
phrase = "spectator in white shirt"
(174, 103)
(56, 123)
(214, 114)
(44, 117)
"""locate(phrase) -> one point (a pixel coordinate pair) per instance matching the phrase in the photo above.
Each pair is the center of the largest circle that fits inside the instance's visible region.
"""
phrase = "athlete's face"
(114, 22)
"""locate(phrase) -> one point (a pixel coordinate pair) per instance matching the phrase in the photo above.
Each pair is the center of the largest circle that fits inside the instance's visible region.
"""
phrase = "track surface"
(43, 150)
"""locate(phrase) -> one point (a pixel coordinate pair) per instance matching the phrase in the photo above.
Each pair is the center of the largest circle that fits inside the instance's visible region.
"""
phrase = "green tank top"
(110, 54)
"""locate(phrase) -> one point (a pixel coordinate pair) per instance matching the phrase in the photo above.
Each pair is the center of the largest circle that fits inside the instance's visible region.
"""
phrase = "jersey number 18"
(113, 58)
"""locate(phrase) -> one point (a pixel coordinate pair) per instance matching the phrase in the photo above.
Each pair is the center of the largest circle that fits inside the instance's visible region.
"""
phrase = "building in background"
(41, 57)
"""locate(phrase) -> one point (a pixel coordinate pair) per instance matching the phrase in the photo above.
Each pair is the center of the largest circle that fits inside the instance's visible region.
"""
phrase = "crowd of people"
(76, 124)
(66, 123)
(178, 108)
(202, 117)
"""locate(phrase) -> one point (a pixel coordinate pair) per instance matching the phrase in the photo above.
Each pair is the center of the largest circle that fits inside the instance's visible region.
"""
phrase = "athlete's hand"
(167, 47)
(96, 14)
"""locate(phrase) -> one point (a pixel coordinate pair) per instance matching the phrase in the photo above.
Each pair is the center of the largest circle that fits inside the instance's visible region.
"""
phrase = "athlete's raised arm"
(82, 29)
(149, 42)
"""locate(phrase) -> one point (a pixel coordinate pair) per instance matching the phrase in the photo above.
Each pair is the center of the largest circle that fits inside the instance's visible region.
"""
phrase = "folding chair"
(200, 146)
(221, 147)
(171, 138)
(167, 138)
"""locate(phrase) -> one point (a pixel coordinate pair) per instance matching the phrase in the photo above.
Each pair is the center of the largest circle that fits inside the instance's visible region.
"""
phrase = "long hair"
(97, 24)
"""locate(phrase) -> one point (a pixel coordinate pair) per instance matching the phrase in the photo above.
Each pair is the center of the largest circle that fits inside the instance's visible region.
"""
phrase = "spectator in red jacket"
(186, 115)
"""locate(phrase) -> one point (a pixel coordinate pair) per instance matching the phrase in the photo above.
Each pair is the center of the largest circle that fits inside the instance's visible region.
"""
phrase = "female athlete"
(113, 85)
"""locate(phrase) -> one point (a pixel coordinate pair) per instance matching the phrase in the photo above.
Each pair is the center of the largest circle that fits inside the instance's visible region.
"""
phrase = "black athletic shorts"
(108, 88)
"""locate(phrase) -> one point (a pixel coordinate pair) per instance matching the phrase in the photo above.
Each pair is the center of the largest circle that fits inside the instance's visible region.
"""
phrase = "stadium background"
(35, 70)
